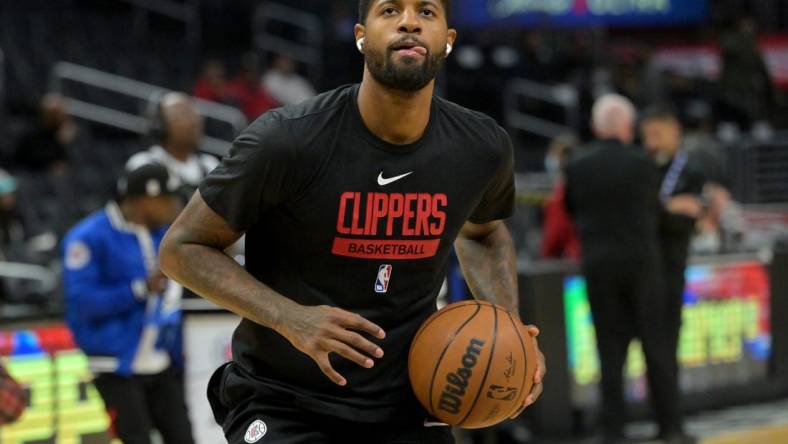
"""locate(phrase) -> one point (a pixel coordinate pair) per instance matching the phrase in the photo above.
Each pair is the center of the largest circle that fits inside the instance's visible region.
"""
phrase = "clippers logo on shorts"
(256, 431)
(390, 226)
(382, 282)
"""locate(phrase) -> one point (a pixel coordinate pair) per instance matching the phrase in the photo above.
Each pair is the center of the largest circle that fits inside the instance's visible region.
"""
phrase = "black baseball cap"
(149, 180)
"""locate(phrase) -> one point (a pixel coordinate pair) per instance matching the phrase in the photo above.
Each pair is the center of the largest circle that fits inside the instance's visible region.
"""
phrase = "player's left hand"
(541, 370)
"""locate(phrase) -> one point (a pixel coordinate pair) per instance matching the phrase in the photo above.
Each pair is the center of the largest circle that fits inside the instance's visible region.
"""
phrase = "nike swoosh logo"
(383, 181)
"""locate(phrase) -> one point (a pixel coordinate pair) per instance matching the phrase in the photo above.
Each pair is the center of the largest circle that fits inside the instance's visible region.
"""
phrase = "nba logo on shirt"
(382, 283)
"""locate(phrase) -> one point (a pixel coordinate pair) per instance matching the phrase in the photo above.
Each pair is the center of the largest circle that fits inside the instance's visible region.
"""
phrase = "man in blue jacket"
(124, 313)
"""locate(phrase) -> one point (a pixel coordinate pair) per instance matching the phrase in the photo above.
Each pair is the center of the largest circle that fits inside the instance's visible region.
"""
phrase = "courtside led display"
(725, 338)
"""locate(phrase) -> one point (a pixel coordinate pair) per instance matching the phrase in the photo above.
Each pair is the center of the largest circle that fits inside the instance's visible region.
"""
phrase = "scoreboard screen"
(725, 338)
(64, 407)
(578, 13)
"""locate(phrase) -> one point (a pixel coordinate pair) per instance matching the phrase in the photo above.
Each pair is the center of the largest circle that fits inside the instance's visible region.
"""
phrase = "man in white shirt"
(284, 83)
(177, 128)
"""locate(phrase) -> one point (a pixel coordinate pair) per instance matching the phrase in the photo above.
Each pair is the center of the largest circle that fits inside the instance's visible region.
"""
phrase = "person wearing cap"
(124, 313)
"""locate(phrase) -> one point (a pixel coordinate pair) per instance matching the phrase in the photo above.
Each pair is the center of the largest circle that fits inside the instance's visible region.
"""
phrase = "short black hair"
(660, 111)
(364, 5)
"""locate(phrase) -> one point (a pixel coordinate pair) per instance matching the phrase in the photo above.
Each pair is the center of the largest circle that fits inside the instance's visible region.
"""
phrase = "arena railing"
(185, 11)
(142, 95)
(309, 52)
(563, 97)
(758, 170)
(45, 278)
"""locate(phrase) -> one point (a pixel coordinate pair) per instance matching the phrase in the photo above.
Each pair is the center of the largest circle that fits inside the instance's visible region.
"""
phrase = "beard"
(407, 75)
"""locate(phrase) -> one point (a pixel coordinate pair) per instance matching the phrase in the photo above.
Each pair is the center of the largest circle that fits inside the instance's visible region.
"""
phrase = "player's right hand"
(321, 330)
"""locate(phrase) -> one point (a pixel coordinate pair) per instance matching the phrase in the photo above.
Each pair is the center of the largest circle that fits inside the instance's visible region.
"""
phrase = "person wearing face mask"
(559, 238)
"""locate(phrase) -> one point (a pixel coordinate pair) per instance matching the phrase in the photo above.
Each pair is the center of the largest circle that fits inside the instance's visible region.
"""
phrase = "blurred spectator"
(44, 148)
(176, 128)
(124, 314)
(213, 85)
(12, 398)
(559, 235)
(680, 191)
(745, 85)
(611, 193)
(247, 87)
(284, 83)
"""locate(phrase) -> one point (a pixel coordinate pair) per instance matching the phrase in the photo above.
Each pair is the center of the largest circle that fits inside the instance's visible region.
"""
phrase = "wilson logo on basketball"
(390, 225)
(457, 382)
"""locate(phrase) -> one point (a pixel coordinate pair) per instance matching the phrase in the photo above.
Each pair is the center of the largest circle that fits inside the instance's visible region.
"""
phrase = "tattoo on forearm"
(490, 267)
(215, 276)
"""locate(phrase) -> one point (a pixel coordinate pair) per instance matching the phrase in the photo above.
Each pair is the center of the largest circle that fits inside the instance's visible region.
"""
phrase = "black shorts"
(136, 404)
(256, 414)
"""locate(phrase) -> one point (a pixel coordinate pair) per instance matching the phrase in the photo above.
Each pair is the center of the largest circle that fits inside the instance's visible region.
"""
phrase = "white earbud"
(360, 44)
(449, 48)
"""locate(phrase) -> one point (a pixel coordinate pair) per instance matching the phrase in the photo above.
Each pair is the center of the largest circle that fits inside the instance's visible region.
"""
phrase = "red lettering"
(410, 198)
(368, 219)
(341, 228)
(380, 208)
(424, 209)
(438, 201)
(418, 214)
(355, 229)
(396, 209)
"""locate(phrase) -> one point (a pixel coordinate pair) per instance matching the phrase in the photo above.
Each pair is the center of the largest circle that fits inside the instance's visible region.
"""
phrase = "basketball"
(472, 364)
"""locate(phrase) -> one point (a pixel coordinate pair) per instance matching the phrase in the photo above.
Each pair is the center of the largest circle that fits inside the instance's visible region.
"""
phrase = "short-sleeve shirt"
(191, 171)
(335, 216)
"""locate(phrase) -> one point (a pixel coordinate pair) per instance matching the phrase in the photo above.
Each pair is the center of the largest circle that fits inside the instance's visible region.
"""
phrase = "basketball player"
(363, 184)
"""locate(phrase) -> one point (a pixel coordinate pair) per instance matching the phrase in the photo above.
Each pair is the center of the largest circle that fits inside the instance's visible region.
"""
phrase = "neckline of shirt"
(159, 150)
(379, 143)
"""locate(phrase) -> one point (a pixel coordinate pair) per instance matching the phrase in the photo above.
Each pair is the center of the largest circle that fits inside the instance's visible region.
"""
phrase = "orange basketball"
(472, 364)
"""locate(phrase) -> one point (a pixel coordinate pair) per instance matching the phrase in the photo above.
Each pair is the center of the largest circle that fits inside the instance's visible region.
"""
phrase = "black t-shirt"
(675, 230)
(334, 215)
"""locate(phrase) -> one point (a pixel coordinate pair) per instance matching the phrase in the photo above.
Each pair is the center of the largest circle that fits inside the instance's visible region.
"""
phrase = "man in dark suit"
(681, 185)
(612, 195)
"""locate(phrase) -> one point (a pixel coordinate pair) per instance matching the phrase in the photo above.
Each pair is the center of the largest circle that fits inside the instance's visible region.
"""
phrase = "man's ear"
(358, 31)
(452, 37)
